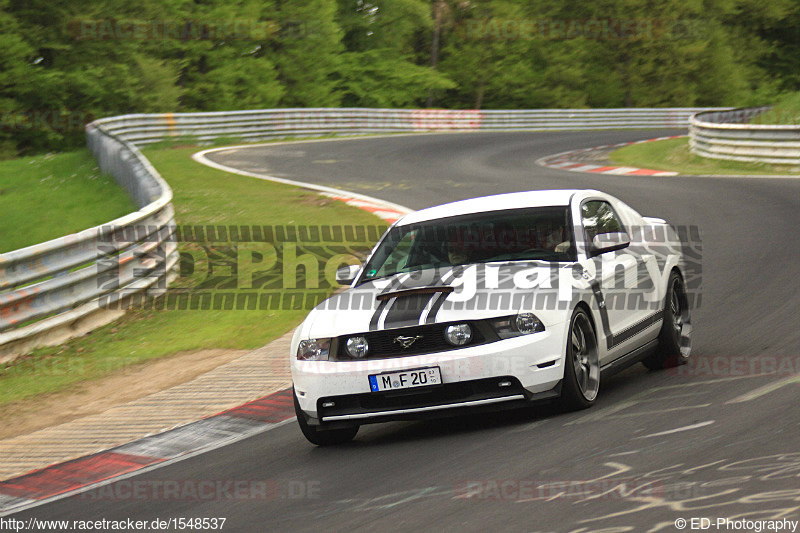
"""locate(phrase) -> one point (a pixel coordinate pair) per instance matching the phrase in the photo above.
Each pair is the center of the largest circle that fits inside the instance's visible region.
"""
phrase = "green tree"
(307, 53)
(70, 57)
(384, 64)
(500, 59)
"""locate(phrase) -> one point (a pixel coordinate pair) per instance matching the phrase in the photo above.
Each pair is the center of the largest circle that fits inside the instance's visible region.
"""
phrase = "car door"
(615, 278)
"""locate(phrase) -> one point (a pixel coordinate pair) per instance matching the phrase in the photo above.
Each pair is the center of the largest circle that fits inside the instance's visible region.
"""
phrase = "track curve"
(719, 441)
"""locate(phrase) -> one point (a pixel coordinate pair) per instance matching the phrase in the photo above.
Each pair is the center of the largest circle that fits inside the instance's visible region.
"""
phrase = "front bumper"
(506, 373)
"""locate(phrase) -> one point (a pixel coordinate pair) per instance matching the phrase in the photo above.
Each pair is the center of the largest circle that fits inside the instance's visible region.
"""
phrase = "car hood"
(443, 295)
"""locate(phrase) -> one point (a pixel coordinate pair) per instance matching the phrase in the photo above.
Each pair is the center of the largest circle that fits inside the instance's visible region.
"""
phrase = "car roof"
(496, 202)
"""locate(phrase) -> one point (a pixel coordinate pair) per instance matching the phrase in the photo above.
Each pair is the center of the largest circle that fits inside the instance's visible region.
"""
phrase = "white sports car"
(491, 303)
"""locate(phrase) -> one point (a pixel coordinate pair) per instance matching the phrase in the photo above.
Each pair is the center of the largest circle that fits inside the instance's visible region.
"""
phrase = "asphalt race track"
(717, 440)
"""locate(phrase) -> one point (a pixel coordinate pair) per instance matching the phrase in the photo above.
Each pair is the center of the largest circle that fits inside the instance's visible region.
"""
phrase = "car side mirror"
(608, 242)
(346, 275)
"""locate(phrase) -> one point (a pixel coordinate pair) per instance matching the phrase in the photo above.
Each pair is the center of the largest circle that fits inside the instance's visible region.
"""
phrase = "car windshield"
(540, 233)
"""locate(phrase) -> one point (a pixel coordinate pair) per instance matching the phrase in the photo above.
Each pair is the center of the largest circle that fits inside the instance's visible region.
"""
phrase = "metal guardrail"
(276, 123)
(728, 135)
(52, 291)
(48, 291)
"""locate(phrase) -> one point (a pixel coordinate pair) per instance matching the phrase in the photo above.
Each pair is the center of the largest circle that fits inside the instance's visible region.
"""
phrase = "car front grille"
(430, 338)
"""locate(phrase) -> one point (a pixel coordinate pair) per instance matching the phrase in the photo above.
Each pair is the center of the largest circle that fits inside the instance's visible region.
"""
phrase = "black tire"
(581, 382)
(675, 337)
(322, 437)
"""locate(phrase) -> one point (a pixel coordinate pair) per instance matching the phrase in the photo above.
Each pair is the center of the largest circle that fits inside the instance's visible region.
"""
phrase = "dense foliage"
(66, 61)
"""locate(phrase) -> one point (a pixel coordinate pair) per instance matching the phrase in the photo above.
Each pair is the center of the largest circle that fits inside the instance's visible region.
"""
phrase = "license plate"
(405, 379)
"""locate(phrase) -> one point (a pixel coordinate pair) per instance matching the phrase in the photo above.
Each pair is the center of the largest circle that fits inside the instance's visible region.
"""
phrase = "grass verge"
(46, 196)
(674, 155)
(785, 112)
(202, 196)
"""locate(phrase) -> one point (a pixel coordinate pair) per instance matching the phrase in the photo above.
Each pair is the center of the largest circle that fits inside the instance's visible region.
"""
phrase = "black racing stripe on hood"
(441, 297)
(407, 310)
(373, 321)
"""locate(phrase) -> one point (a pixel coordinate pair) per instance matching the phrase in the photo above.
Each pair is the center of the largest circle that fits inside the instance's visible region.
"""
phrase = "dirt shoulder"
(96, 396)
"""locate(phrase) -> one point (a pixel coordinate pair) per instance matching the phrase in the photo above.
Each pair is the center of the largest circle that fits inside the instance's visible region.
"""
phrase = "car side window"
(598, 218)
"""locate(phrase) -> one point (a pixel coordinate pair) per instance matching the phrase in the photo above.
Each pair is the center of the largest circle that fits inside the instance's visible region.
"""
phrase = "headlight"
(314, 350)
(516, 325)
(357, 346)
(458, 334)
(528, 323)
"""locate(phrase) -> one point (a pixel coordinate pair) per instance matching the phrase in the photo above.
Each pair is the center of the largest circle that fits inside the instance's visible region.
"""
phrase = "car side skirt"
(630, 358)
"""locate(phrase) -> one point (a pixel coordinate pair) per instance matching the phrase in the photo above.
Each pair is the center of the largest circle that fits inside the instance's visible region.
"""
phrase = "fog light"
(458, 334)
(357, 346)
